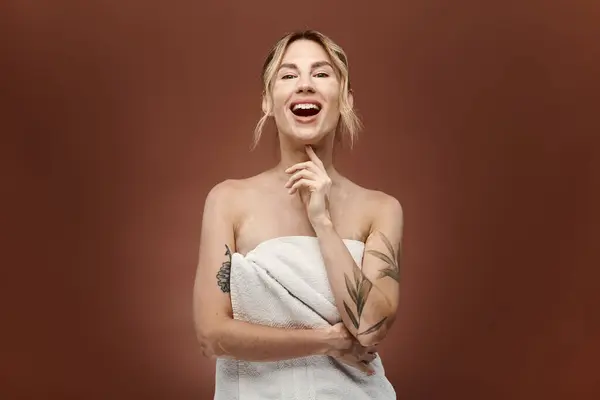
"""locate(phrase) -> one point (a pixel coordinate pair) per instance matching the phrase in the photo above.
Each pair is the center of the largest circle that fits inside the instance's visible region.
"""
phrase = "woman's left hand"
(312, 182)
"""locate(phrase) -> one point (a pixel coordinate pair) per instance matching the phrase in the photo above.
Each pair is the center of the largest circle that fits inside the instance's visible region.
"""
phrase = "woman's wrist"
(328, 339)
(336, 340)
(321, 223)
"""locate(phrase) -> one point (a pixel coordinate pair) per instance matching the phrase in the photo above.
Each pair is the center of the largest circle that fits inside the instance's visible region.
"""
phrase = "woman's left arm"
(367, 297)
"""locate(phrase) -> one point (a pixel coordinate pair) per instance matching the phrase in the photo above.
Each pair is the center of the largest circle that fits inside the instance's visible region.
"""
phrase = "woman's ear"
(351, 98)
(265, 105)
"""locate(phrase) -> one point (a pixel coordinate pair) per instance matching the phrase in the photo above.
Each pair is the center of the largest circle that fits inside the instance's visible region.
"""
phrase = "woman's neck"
(292, 154)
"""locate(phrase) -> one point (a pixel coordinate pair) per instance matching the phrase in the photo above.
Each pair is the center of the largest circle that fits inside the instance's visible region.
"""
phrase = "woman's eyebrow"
(314, 65)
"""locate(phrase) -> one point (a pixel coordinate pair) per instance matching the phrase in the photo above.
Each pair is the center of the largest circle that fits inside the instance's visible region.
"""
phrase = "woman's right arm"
(218, 333)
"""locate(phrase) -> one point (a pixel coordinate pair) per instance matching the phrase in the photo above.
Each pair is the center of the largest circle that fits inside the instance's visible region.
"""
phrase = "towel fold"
(283, 283)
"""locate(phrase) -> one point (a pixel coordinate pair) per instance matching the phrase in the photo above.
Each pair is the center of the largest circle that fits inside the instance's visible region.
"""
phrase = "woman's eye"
(321, 75)
(288, 76)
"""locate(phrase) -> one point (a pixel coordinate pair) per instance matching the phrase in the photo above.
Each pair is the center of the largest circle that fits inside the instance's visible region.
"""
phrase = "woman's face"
(305, 94)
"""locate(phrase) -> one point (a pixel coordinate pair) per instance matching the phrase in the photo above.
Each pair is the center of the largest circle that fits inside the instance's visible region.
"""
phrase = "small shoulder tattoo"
(224, 272)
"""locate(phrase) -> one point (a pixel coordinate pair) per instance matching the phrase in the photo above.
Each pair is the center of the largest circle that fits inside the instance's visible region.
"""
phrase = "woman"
(305, 207)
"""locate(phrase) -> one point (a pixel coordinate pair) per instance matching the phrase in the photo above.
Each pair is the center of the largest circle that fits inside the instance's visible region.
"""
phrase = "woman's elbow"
(372, 339)
(376, 333)
(208, 338)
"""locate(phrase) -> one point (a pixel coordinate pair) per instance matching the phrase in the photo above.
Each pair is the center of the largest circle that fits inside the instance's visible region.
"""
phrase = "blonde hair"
(350, 123)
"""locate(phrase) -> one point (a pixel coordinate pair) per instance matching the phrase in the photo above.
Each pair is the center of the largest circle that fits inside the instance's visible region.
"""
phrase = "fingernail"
(371, 372)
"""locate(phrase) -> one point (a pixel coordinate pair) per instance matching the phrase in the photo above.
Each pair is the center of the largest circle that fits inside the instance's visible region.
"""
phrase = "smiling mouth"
(305, 109)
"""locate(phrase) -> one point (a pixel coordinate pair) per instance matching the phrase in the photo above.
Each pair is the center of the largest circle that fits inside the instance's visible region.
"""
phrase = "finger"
(313, 156)
(304, 173)
(369, 357)
(306, 183)
(360, 349)
(371, 349)
(304, 196)
(362, 366)
(303, 165)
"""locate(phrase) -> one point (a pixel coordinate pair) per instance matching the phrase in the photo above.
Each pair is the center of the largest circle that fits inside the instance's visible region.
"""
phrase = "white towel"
(283, 283)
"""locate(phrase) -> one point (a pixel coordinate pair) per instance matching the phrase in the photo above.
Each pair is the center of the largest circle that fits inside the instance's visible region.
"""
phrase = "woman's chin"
(306, 135)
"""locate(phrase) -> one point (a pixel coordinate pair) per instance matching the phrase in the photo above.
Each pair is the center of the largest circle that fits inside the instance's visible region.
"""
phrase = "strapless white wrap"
(283, 283)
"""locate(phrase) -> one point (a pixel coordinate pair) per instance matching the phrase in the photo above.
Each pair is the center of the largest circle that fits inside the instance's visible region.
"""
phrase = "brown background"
(118, 117)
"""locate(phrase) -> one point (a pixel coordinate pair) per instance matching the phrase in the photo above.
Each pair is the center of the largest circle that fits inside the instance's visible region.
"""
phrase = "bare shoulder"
(384, 205)
(377, 204)
(226, 190)
(229, 191)
(235, 186)
(233, 195)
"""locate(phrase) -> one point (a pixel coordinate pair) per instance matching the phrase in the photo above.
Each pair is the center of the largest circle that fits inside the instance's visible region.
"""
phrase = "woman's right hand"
(345, 348)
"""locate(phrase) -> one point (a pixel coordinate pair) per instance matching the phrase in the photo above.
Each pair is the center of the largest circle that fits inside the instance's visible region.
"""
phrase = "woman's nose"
(305, 86)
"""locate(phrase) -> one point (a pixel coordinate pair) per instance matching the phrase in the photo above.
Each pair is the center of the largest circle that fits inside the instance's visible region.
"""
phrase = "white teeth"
(306, 106)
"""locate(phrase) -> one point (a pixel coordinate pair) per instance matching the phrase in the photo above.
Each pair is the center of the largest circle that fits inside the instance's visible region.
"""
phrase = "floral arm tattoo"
(224, 272)
(392, 269)
(360, 287)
